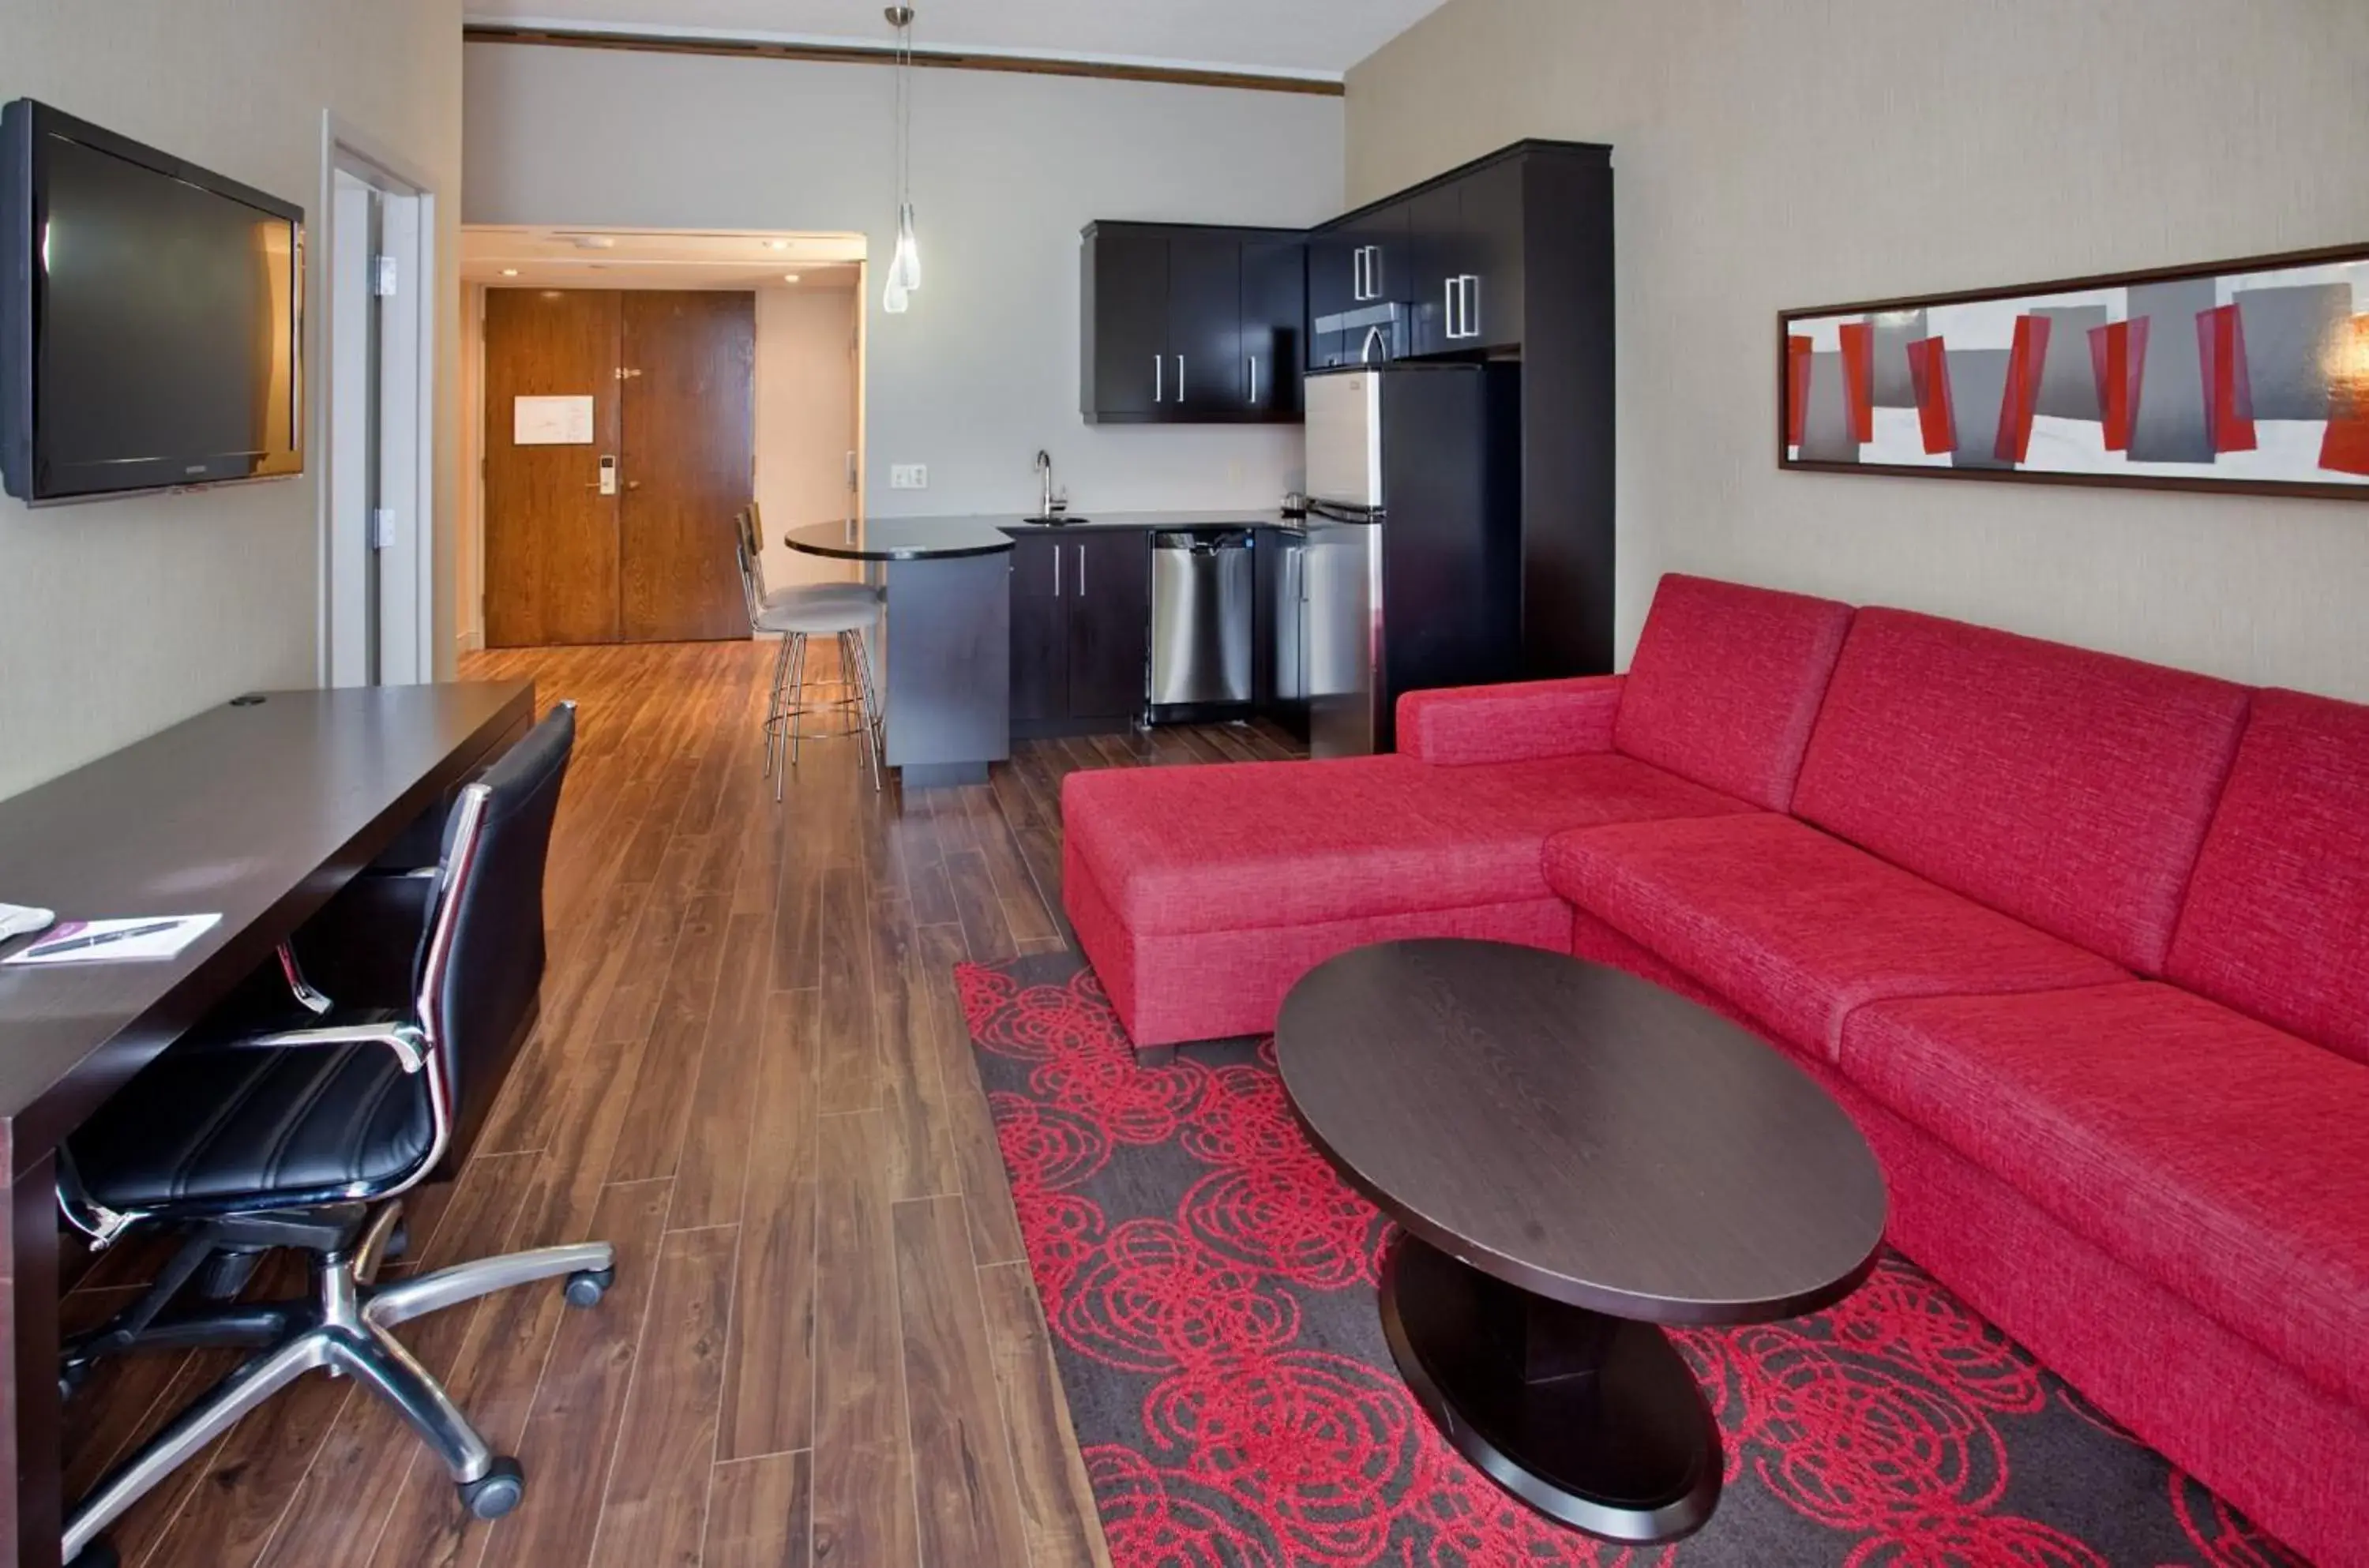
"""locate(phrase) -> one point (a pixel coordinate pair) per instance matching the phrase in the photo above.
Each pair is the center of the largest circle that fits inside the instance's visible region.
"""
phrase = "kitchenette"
(1449, 351)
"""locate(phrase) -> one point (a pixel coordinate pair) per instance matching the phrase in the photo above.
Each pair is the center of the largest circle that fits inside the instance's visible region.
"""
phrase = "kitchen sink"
(1057, 519)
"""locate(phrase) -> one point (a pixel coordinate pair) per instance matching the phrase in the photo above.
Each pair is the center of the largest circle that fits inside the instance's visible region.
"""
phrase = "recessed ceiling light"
(595, 242)
(777, 244)
(789, 277)
(509, 271)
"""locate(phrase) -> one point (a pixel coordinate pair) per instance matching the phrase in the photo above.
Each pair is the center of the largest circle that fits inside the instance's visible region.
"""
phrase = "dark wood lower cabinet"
(1080, 630)
(1040, 633)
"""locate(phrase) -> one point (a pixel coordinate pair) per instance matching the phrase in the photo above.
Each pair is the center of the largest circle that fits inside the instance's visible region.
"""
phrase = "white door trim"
(407, 583)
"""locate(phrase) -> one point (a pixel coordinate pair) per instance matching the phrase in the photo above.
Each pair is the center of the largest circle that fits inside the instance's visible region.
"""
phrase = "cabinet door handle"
(1057, 571)
(1180, 389)
(1380, 281)
(1160, 378)
(1357, 274)
(1254, 359)
(1082, 569)
(1471, 305)
(1449, 291)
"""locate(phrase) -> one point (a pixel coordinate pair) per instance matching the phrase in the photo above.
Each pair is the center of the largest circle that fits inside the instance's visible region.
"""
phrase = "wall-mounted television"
(151, 317)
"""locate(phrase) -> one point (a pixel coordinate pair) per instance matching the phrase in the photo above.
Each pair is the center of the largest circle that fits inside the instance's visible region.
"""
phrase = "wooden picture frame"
(2244, 377)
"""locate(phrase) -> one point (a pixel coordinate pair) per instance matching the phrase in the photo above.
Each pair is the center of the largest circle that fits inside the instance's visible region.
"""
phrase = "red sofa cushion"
(2223, 1159)
(1726, 682)
(1457, 727)
(2277, 918)
(2068, 788)
(1237, 846)
(1798, 929)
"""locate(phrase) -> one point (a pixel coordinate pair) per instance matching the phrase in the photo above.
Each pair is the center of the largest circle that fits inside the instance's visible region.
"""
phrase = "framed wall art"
(2249, 376)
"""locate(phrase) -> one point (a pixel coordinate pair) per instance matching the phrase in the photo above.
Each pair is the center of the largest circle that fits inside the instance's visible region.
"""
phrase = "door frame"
(408, 651)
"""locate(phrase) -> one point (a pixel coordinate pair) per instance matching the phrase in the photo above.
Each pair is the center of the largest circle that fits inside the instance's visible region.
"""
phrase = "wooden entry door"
(551, 535)
(691, 463)
(671, 379)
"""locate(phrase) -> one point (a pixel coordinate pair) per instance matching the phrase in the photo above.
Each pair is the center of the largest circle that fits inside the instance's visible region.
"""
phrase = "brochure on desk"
(128, 941)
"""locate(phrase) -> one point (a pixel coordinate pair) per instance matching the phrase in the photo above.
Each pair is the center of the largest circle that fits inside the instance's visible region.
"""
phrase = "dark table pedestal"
(1593, 1419)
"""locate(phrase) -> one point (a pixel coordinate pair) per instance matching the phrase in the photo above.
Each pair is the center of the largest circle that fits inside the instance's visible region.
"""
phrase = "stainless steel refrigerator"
(1414, 560)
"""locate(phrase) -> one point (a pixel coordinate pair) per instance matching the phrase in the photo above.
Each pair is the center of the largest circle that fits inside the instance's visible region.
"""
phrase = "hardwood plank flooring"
(751, 1075)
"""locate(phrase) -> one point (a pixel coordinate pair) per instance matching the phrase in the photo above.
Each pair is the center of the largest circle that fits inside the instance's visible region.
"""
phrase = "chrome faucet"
(1045, 484)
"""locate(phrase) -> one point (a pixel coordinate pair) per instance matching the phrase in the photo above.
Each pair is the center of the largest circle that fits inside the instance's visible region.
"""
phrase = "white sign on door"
(552, 421)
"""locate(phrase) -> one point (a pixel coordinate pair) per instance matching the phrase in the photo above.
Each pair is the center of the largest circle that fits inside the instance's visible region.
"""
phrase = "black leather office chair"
(247, 1140)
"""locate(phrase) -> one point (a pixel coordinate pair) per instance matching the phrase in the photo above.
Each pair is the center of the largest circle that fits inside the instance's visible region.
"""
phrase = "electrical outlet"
(909, 476)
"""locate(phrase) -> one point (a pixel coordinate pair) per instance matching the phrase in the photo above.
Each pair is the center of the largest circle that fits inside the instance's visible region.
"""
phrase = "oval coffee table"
(1573, 1156)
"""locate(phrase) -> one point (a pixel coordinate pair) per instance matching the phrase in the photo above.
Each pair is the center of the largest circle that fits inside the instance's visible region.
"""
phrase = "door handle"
(607, 483)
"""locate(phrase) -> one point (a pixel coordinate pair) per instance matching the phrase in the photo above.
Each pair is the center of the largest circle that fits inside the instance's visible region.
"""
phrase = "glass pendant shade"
(907, 264)
(904, 269)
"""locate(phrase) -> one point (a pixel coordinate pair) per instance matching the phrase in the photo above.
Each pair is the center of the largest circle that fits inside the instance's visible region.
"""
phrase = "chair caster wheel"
(398, 1241)
(97, 1554)
(72, 1376)
(497, 1492)
(587, 1287)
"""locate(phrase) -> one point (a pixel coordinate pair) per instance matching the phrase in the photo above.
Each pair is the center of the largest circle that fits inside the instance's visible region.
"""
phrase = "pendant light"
(905, 266)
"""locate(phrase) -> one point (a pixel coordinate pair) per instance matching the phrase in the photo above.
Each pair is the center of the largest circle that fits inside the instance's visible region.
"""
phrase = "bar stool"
(797, 615)
(845, 611)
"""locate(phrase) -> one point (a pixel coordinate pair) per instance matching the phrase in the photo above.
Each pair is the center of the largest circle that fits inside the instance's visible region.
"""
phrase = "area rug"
(1210, 1285)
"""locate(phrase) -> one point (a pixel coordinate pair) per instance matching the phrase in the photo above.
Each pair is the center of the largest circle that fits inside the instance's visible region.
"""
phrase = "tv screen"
(154, 318)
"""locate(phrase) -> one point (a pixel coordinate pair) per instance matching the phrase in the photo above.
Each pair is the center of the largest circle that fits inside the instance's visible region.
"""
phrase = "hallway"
(751, 1075)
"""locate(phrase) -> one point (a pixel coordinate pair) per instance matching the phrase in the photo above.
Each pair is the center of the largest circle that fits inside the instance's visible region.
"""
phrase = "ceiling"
(1311, 37)
(624, 258)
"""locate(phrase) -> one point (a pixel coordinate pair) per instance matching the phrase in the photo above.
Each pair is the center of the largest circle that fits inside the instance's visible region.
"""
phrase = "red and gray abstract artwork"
(2255, 375)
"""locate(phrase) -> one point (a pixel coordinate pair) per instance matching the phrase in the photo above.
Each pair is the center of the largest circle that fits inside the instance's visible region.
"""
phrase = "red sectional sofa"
(2083, 944)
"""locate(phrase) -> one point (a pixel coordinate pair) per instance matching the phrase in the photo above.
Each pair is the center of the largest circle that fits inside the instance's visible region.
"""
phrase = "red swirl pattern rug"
(1210, 1284)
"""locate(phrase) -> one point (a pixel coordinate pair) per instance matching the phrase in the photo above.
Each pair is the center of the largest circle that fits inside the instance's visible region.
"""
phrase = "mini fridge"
(1414, 557)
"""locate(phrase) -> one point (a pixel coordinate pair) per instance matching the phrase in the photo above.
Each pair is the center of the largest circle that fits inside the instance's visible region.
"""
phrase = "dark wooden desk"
(259, 812)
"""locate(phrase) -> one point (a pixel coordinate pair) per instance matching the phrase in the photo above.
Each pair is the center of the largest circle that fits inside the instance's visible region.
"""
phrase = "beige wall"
(805, 422)
(1007, 169)
(120, 618)
(1773, 155)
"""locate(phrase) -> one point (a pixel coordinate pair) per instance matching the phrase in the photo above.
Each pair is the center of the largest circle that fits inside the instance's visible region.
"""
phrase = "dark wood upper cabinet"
(1467, 260)
(1205, 326)
(1435, 257)
(1275, 317)
(1367, 264)
(1125, 327)
(1181, 323)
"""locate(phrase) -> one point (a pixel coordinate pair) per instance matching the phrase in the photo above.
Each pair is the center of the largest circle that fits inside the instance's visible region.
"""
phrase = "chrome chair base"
(343, 1327)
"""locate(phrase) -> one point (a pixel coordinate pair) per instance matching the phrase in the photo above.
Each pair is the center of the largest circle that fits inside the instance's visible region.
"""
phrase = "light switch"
(909, 476)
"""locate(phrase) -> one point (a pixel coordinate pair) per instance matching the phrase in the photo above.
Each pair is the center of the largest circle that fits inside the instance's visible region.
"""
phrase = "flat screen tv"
(151, 317)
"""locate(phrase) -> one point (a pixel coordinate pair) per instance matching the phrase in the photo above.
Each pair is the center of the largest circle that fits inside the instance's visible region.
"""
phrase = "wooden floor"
(752, 1076)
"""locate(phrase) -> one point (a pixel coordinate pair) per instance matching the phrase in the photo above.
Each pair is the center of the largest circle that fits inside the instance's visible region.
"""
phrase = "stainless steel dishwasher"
(1202, 590)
